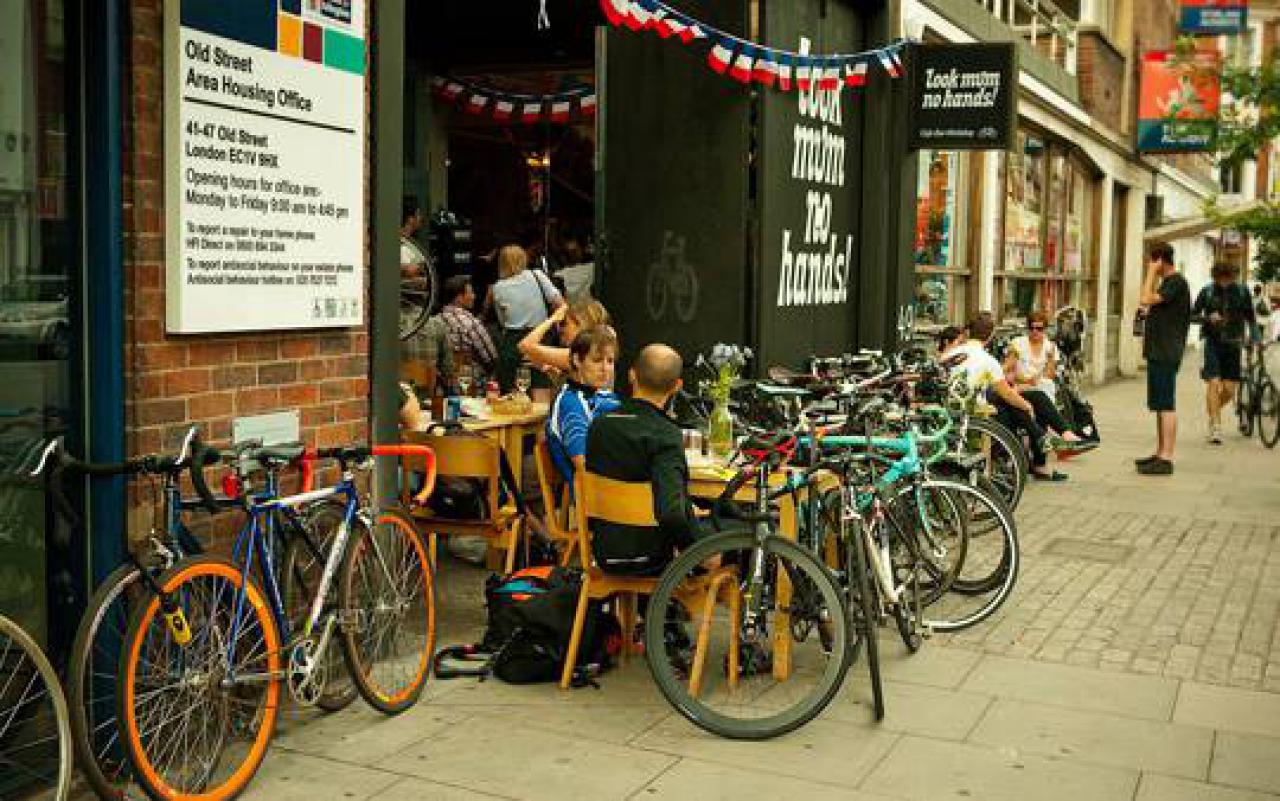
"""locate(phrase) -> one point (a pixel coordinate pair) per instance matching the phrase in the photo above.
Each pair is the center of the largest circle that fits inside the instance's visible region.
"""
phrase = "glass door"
(39, 279)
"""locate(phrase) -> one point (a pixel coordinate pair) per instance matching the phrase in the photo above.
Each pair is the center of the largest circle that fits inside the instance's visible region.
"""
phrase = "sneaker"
(1215, 436)
(1156, 467)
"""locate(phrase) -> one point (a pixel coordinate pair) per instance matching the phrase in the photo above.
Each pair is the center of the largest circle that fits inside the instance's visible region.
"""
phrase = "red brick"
(147, 386)
(340, 434)
(314, 369)
(353, 410)
(257, 351)
(219, 431)
(338, 389)
(143, 441)
(234, 376)
(187, 382)
(298, 348)
(335, 344)
(148, 276)
(299, 395)
(260, 399)
(278, 373)
(164, 356)
(159, 412)
(318, 415)
(351, 366)
(210, 405)
(148, 330)
(211, 354)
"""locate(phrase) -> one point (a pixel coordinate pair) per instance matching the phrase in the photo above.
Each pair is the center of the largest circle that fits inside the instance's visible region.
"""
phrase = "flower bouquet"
(725, 365)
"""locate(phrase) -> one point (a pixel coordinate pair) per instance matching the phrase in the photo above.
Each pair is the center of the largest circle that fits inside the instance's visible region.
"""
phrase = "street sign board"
(1213, 17)
(963, 96)
(264, 164)
(1178, 102)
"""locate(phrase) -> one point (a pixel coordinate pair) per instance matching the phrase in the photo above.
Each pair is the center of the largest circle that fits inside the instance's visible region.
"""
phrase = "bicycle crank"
(308, 672)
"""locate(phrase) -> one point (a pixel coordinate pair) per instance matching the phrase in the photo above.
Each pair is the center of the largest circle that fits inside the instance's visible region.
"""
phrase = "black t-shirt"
(1235, 306)
(1165, 336)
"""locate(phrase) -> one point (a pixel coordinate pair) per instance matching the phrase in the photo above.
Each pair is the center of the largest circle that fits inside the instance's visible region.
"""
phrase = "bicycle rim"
(863, 610)
(728, 676)
(195, 726)
(35, 730)
(95, 658)
(1269, 414)
(1007, 463)
(389, 610)
(990, 568)
(1245, 407)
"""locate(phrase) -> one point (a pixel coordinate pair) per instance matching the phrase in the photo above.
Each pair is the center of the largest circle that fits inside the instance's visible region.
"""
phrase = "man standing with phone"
(1166, 301)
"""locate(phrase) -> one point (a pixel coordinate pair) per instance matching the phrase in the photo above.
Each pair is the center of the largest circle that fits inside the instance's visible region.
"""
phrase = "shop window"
(1231, 178)
(942, 273)
(1024, 207)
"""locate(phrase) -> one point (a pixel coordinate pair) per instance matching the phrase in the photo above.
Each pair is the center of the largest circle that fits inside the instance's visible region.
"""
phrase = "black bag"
(530, 620)
(458, 498)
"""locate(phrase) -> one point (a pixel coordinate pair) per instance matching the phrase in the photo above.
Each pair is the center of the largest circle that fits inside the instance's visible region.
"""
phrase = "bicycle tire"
(998, 584)
(303, 568)
(834, 551)
(362, 661)
(420, 311)
(1245, 402)
(183, 583)
(867, 606)
(1268, 404)
(671, 684)
(1014, 477)
(19, 717)
(91, 720)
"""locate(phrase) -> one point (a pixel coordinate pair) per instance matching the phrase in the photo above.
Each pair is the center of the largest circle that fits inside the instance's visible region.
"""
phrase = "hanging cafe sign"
(503, 106)
(749, 62)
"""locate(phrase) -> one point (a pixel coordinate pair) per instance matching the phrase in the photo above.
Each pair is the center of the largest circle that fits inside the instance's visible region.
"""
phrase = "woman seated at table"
(586, 394)
(578, 316)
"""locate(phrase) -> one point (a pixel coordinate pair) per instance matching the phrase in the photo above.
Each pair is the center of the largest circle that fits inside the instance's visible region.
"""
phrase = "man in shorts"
(1225, 313)
(1166, 300)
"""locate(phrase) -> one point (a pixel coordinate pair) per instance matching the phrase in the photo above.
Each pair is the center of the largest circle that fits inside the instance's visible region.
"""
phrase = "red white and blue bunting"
(502, 106)
(749, 62)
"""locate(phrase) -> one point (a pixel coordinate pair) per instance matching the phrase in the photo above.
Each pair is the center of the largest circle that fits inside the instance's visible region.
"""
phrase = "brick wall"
(174, 381)
(1100, 69)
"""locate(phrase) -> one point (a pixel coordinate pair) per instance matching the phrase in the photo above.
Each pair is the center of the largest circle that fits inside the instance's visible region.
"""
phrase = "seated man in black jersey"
(639, 442)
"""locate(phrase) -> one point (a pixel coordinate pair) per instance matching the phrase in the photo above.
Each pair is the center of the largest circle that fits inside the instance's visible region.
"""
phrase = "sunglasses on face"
(1037, 328)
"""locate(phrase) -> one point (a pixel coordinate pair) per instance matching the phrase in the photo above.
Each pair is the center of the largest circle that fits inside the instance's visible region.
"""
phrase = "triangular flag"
(890, 62)
(531, 112)
(855, 74)
(671, 25)
(588, 105)
(829, 79)
(742, 65)
(637, 16)
(721, 56)
(452, 89)
(765, 72)
(503, 109)
(476, 103)
(615, 10)
(692, 31)
(560, 111)
(785, 73)
(804, 73)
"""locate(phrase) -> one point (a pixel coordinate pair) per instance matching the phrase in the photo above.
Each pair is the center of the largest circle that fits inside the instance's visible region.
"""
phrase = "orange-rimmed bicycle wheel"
(196, 716)
(389, 612)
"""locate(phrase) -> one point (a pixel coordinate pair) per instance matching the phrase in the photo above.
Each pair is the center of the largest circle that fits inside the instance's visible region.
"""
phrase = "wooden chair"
(555, 501)
(469, 458)
(631, 503)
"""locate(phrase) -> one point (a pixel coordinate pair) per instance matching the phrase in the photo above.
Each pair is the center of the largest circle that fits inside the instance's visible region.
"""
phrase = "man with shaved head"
(638, 442)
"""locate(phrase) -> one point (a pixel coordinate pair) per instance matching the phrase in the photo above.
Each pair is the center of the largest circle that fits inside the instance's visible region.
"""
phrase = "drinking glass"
(524, 379)
(464, 380)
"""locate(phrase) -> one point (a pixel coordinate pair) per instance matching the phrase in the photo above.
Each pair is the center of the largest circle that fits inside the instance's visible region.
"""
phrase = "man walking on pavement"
(1225, 313)
(1166, 300)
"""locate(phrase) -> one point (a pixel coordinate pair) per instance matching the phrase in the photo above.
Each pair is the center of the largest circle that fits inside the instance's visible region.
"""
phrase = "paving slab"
(911, 709)
(607, 724)
(504, 757)
(707, 781)
(824, 751)
(423, 790)
(627, 685)
(1247, 760)
(1228, 709)
(927, 770)
(362, 735)
(936, 667)
(1154, 787)
(1074, 687)
(286, 776)
(1121, 742)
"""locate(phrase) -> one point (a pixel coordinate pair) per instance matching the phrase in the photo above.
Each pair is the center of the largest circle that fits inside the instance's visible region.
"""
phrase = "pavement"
(1137, 659)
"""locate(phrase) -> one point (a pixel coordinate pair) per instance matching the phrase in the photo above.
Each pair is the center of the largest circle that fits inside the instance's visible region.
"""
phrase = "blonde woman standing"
(522, 299)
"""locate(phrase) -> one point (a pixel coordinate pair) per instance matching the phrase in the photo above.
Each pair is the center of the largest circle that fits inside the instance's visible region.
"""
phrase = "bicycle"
(220, 657)
(35, 729)
(1257, 398)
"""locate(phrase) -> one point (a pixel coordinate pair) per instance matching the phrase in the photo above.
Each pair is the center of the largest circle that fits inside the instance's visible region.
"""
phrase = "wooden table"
(510, 431)
(709, 482)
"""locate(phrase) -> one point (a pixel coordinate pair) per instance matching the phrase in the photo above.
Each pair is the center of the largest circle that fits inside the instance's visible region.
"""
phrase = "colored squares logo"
(333, 48)
(290, 35)
(313, 43)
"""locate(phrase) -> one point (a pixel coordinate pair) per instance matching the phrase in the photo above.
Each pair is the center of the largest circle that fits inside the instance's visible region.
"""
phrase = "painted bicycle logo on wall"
(672, 281)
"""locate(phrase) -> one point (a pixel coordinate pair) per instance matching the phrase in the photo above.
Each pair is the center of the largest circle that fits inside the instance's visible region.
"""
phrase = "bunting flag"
(503, 106)
(749, 62)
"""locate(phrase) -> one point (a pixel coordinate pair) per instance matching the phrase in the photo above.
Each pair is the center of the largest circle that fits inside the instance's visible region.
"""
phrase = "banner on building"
(1213, 17)
(264, 164)
(963, 96)
(1178, 102)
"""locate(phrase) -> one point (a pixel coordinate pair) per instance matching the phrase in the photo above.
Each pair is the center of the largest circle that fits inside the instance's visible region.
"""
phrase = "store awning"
(1191, 226)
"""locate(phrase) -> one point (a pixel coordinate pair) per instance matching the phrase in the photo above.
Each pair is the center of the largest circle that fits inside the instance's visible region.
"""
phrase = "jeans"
(1018, 421)
(1046, 410)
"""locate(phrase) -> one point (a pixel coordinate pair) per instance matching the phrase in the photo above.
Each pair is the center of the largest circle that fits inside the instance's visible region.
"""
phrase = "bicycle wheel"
(197, 712)
(304, 562)
(1245, 407)
(35, 731)
(1007, 463)
(990, 566)
(417, 299)
(742, 658)
(91, 686)
(388, 600)
(939, 538)
(864, 609)
(1268, 405)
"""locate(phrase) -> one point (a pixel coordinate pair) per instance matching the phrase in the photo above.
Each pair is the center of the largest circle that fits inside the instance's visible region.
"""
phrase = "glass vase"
(720, 430)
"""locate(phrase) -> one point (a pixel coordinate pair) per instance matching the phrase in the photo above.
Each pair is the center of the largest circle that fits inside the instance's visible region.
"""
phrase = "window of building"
(942, 271)
(1231, 178)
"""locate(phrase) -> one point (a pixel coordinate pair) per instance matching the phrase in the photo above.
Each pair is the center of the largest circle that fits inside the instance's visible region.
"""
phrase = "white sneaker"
(1215, 436)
